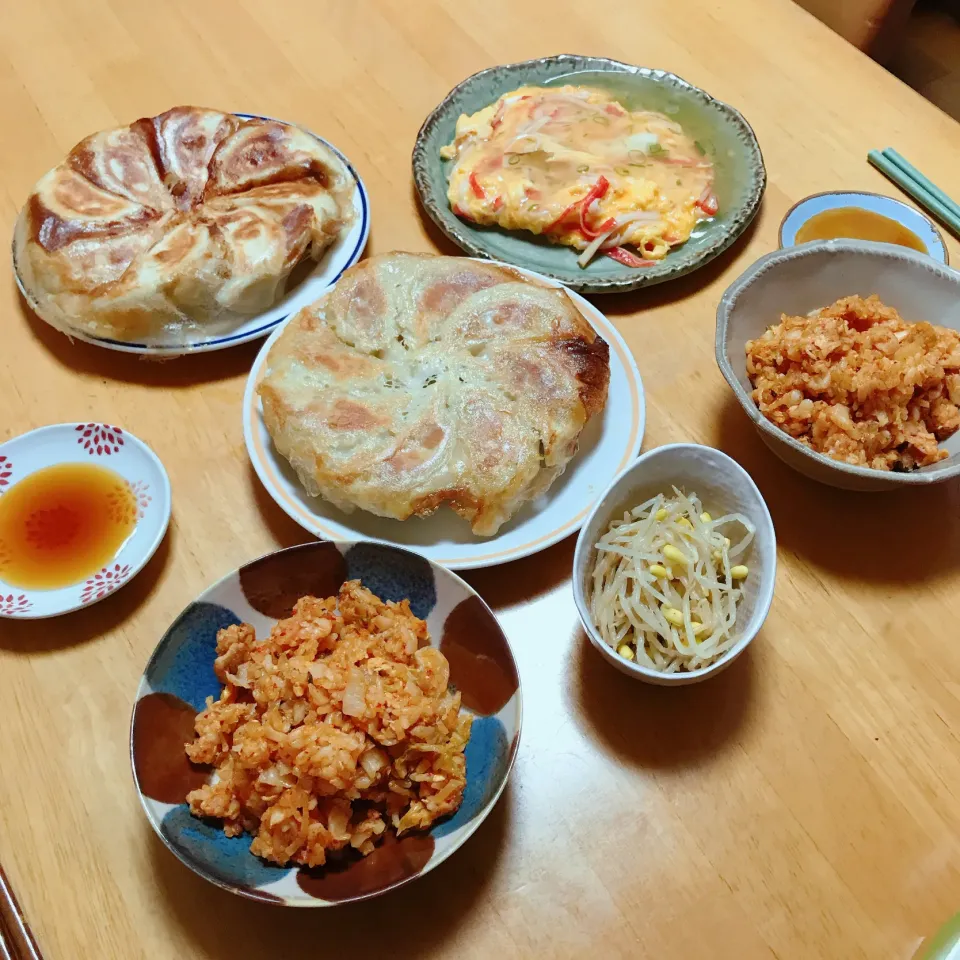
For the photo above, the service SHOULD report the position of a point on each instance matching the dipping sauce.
(858, 224)
(62, 524)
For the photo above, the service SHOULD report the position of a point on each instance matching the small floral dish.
(722, 485)
(725, 136)
(137, 501)
(798, 280)
(344, 253)
(180, 676)
(916, 223)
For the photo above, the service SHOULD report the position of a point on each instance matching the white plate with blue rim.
(342, 254)
(920, 225)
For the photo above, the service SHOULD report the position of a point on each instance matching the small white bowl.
(916, 222)
(106, 446)
(723, 487)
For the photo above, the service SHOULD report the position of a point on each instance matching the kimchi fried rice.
(856, 382)
(335, 728)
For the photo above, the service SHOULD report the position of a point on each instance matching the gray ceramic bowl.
(726, 136)
(724, 487)
(799, 279)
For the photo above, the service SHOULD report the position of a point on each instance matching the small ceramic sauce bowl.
(920, 225)
(723, 487)
(145, 503)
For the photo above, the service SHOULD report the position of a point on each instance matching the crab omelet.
(574, 166)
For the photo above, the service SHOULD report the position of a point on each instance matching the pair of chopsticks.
(16, 940)
(913, 183)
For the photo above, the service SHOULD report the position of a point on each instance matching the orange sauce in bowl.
(856, 223)
(62, 524)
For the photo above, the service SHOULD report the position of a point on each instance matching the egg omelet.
(572, 165)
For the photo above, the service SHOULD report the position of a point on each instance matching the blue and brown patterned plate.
(179, 678)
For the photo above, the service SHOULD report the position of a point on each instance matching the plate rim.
(456, 234)
(469, 829)
(145, 450)
(231, 339)
(252, 419)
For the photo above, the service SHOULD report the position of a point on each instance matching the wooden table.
(802, 805)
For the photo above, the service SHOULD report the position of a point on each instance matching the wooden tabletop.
(804, 804)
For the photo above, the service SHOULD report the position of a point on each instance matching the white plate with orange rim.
(607, 445)
(83, 507)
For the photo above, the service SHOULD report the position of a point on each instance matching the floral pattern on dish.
(99, 439)
(105, 582)
(13, 604)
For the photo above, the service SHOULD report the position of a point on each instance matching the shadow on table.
(652, 726)
(88, 623)
(444, 245)
(170, 373)
(894, 537)
(413, 921)
(287, 532)
(674, 291)
(520, 581)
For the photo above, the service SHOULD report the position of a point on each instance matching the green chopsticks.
(913, 183)
(945, 945)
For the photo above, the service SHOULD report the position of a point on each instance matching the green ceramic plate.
(724, 134)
